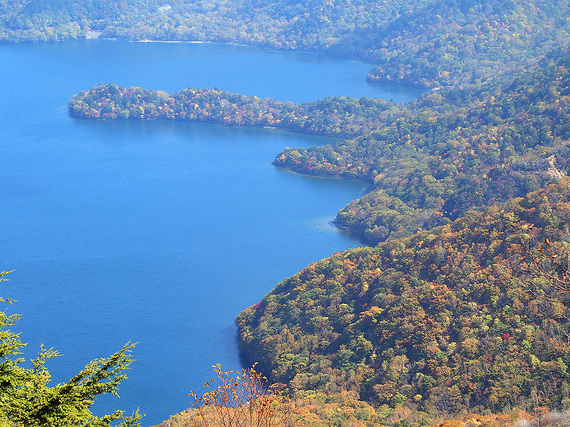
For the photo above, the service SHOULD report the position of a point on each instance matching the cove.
(158, 233)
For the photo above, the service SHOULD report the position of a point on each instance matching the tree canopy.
(428, 161)
(28, 399)
(438, 323)
(428, 43)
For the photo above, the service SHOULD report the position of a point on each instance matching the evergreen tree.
(27, 399)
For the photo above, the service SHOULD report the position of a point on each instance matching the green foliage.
(439, 323)
(454, 42)
(337, 116)
(429, 162)
(26, 398)
(452, 151)
(421, 42)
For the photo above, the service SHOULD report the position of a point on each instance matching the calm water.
(155, 232)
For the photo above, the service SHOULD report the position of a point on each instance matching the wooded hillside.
(428, 43)
(449, 313)
(455, 150)
(445, 322)
(429, 161)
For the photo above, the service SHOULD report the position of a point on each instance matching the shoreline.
(171, 41)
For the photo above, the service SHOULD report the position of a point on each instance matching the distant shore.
(171, 41)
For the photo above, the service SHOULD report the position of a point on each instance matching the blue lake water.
(156, 232)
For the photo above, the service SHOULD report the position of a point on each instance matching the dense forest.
(429, 161)
(333, 116)
(456, 150)
(427, 43)
(453, 307)
(444, 322)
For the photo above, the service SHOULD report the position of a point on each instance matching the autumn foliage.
(439, 323)
(239, 399)
(332, 116)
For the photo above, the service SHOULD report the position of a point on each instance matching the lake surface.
(156, 232)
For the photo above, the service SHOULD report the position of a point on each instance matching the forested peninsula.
(333, 116)
(444, 322)
(428, 162)
(442, 317)
(459, 305)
